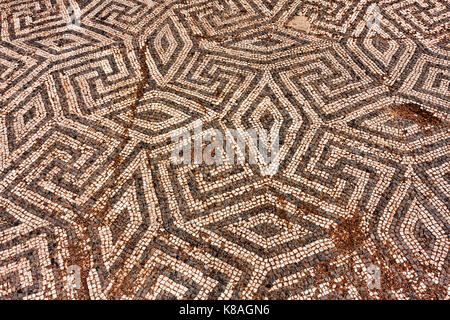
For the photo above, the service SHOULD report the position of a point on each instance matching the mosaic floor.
(93, 207)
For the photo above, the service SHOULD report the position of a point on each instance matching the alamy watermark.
(74, 277)
(230, 146)
(74, 19)
(374, 20)
(373, 277)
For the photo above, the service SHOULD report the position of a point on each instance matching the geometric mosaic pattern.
(85, 173)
